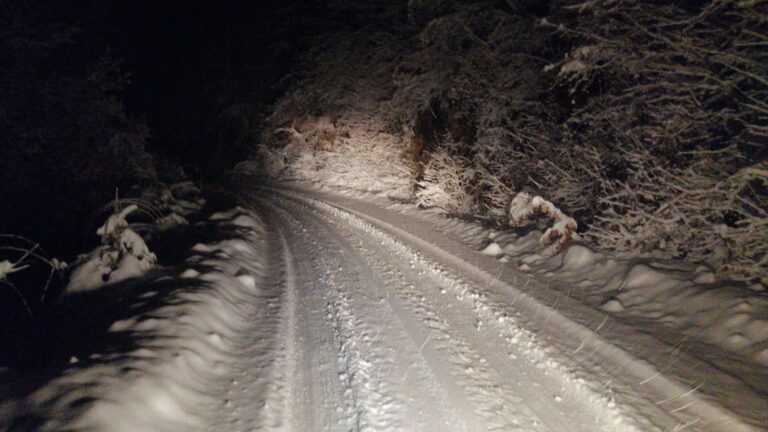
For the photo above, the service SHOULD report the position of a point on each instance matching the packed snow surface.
(327, 313)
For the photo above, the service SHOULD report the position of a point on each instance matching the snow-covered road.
(377, 338)
(316, 312)
(383, 330)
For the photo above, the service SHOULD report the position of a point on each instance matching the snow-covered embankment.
(161, 370)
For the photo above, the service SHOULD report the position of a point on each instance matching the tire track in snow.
(502, 403)
(306, 391)
(247, 395)
(281, 393)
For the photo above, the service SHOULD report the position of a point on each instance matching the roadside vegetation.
(644, 121)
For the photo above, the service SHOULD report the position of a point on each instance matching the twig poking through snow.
(425, 342)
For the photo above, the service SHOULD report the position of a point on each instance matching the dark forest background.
(100, 96)
(104, 94)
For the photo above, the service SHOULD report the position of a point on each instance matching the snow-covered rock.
(493, 249)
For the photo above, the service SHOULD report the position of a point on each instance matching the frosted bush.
(446, 184)
(682, 212)
(123, 254)
(358, 155)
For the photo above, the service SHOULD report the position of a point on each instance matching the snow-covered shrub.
(446, 184)
(680, 95)
(123, 254)
(493, 192)
(710, 211)
(336, 129)
(460, 185)
(358, 155)
(369, 168)
(524, 208)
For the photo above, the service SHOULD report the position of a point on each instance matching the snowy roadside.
(696, 318)
(155, 341)
(677, 295)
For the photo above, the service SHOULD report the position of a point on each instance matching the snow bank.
(690, 299)
(182, 338)
(731, 318)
